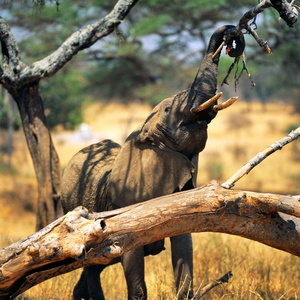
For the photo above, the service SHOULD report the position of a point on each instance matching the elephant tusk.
(206, 104)
(225, 104)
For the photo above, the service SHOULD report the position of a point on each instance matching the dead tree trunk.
(79, 239)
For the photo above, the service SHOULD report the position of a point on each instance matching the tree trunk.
(44, 156)
(8, 102)
(80, 239)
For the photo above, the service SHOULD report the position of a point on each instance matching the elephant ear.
(143, 171)
(145, 133)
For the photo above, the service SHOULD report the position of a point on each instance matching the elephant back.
(85, 177)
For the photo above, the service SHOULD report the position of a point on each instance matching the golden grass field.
(235, 136)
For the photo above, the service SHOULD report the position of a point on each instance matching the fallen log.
(81, 238)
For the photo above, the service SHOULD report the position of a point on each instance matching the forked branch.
(78, 41)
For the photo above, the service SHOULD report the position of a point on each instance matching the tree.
(169, 30)
(22, 82)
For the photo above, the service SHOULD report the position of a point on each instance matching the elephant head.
(180, 122)
(157, 158)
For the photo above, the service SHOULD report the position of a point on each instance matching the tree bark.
(80, 239)
(8, 102)
(44, 156)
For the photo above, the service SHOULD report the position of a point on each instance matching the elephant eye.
(167, 109)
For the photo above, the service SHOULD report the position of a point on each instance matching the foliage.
(63, 99)
(153, 54)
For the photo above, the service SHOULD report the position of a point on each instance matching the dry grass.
(235, 136)
(259, 272)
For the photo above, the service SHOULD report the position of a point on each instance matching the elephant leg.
(154, 248)
(93, 281)
(80, 290)
(182, 260)
(133, 265)
(89, 285)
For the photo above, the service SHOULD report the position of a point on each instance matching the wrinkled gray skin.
(159, 158)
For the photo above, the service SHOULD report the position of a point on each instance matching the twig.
(236, 59)
(260, 41)
(243, 23)
(293, 135)
(237, 78)
(211, 285)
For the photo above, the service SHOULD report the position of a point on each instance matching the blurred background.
(110, 88)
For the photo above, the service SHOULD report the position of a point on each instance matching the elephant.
(160, 157)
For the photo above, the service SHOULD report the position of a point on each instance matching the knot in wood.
(79, 252)
(98, 227)
(33, 249)
(83, 211)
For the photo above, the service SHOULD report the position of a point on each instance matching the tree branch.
(207, 288)
(79, 239)
(10, 53)
(258, 158)
(78, 41)
(288, 13)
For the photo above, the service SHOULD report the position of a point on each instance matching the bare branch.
(236, 59)
(243, 23)
(80, 239)
(224, 279)
(287, 11)
(260, 41)
(237, 78)
(293, 135)
(219, 49)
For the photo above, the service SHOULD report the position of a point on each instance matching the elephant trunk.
(205, 84)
